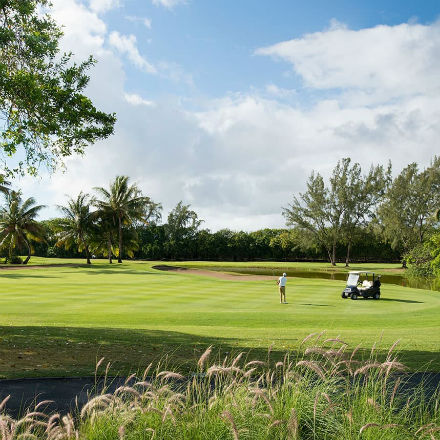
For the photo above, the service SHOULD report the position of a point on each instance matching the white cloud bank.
(239, 159)
(387, 61)
(101, 6)
(169, 4)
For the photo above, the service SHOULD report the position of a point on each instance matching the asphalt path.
(70, 394)
(66, 394)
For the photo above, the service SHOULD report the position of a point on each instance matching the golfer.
(282, 286)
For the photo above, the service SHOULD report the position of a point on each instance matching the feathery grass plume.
(269, 352)
(340, 341)
(3, 402)
(170, 375)
(256, 363)
(146, 371)
(364, 369)
(391, 425)
(69, 425)
(353, 353)
(127, 390)
(314, 350)
(226, 415)
(292, 424)
(153, 433)
(312, 366)
(204, 357)
(36, 414)
(168, 413)
(373, 404)
(276, 423)
(249, 373)
(424, 428)
(121, 432)
(310, 336)
(98, 364)
(237, 359)
(333, 353)
(42, 403)
(225, 360)
(279, 364)
(320, 336)
(349, 416)
(391, 349)
(129, 378)
(102, 401)
(368, 426)
(373, 349)
(330, 408)
(392, 365)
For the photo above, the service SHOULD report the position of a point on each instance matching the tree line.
(401, 211)
(352, 215)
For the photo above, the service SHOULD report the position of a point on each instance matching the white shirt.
(282, 281)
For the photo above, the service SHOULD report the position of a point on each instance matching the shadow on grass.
(73, 351)
(409, 301)
(22, 275)
(317, 305)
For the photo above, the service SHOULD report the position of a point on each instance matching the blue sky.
(214, 41)
(230, 105)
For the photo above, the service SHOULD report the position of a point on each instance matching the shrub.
(419, 261)
(15, 260)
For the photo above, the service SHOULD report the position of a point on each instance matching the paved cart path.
(216, 274)
(68, 394)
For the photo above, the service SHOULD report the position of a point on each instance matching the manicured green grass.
(59, 320)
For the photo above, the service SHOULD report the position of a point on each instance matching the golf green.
(60, 320)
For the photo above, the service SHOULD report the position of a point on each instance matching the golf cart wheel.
(343, 295)
(376, 295)
(354, 296)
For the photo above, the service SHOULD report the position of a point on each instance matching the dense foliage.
(45, 115)
(354, 216)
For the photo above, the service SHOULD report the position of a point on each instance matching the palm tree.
(126, 204)
(77, 226)
(4, 185)
(103, 239)
(18, 226)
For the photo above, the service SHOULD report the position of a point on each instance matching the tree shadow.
(36, 351)
(22, 275)
(317, 305)
(99, 271)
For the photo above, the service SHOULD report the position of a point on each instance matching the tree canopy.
(44, 114)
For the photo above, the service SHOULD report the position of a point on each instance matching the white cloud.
(239, 159)
(101, 6)
(279, 92)
(383, 61)
(169, 4)
(127, 45)
(134, 99)
(144, 20)
(83, 29)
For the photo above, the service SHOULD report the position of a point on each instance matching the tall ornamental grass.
(325, 392)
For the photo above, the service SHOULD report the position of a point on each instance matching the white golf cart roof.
(359, 272)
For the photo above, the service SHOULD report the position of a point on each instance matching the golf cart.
(365, 284)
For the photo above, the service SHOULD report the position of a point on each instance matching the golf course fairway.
(57, 321)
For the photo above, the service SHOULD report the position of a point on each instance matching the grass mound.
(323, 393)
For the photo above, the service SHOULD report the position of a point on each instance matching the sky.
(229, 105)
